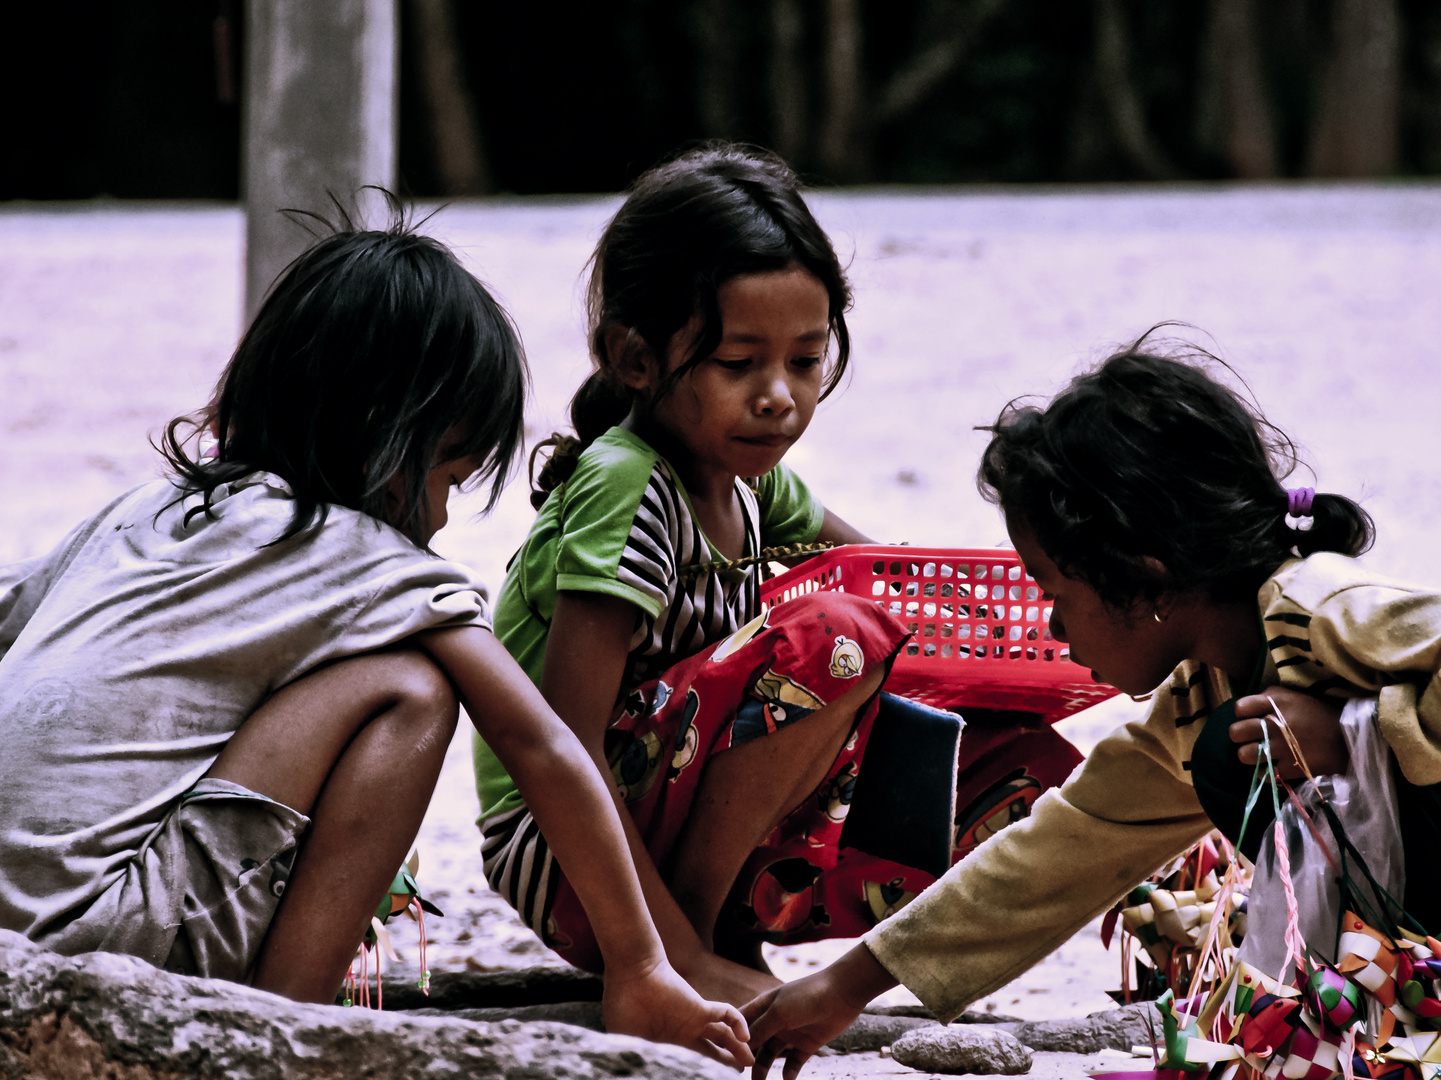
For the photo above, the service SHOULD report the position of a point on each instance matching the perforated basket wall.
(981, 628)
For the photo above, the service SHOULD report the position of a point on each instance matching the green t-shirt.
(622, 525)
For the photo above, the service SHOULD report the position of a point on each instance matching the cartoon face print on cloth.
(687, 740)
(885, 898)
(740, 639)
(635, 761)
(834, 796)
(847, 659)
(778, 701)
(782, 898)
(1005, 804)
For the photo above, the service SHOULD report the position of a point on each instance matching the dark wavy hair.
(374, 355)
(686, 228)
(1149, 458)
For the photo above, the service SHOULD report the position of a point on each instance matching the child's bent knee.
(855, 618)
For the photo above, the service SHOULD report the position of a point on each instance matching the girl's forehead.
(792, 302)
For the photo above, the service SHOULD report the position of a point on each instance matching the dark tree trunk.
(1119, 97)
(788, 83)
(1357, 122)
(460, 159)
(716, 92)
(844, 151)
(945, 47)
(1236, 112)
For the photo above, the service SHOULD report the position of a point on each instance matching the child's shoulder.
(1309, 583)
(618, 460)
(618, 446)
(250, 514)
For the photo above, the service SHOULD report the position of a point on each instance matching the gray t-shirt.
(132, 652)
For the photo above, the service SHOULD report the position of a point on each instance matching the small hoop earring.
(1157, 616)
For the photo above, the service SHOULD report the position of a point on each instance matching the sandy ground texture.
(114, 318)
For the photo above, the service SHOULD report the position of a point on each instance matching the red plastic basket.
(981, 636)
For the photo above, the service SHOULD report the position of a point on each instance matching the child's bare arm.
(1315, 721)
(838, 531)
(585, 658)
(834, 530)
(575, 811)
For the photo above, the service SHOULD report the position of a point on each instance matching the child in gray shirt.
(225, 699)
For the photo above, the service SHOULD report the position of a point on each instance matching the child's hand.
(659, 1005)
(795, 1020)
(1315, 722)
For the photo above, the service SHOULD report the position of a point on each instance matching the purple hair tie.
(1299, 500)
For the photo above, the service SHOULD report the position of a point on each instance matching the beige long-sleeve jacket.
(1330, 627)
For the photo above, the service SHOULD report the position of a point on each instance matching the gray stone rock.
(1117, 1029)
(101, 1015)
(871, 1031)
(969, 1017)
(924, 1013)
(452, 990)
(958, 1048)
(586, 1014)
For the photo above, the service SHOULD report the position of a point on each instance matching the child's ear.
(631, 360)
(1160, 576)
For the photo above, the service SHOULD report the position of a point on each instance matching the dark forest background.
(140, 98)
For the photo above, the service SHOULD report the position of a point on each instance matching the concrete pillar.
(320, 116)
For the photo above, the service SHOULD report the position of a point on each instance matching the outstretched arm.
(574, 809)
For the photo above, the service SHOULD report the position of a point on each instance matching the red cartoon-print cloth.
(800, 884)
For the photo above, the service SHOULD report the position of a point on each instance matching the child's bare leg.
(746, 792)
(358, 747)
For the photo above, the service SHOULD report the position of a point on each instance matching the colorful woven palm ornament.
(1253, 1010)
(1420, 1049)
(403, 896)
(1186, 1048)
(1314, 1053)
(1264, 1028)
(1162, 919)
(1391, 1063)
(1333, 997)
(1370, 958)
(1373, 1015)
(1174, 915)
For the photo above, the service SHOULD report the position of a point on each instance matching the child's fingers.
(1256, 705)
(773, 1049)
(731, 1058)
(765, 1057)
(1248, 731)
(757, 1008)
(731, 1017)
(794, 1060)
(730, 1045)
(1247, 734)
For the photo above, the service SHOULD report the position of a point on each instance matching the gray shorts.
(199, 896)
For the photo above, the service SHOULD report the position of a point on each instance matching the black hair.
(1147, 476)
(686, 228)
(375, 355)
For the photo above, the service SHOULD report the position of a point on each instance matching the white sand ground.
(1325, 298)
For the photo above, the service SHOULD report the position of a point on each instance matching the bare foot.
(719, 979)
(746, 951)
